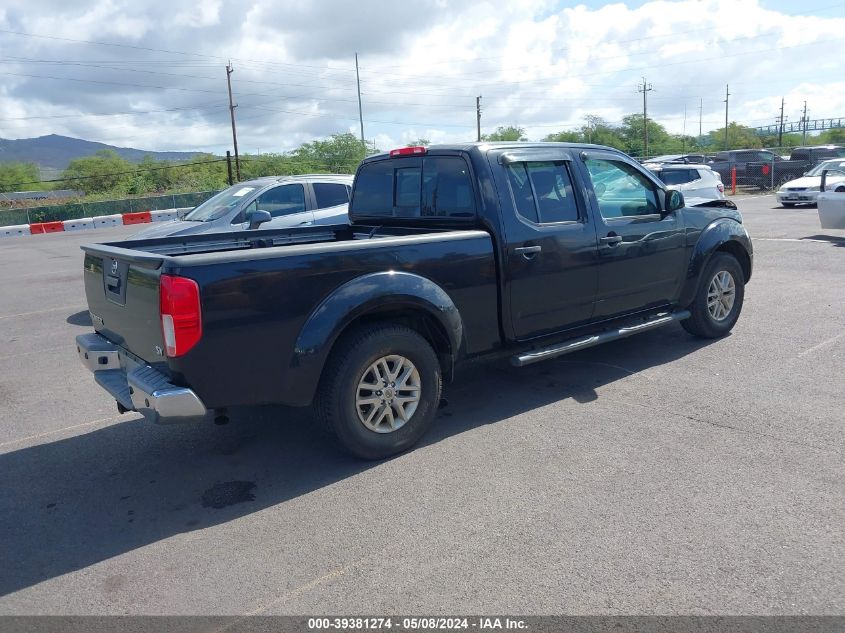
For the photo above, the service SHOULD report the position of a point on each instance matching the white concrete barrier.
(79, 224)
(832, 210)
(14, 231)
(108, 220)
(163, 215)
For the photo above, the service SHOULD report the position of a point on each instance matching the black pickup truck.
(739, 159)
(771, 174)
(455, 254)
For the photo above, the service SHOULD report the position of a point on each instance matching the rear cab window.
(429, 188)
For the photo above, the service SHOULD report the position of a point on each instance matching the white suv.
(694, 181)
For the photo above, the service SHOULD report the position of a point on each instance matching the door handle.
(528, 252)
(611, 239)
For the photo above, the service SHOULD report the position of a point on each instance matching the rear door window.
(542, 191)
(330, 194)
(432, 187)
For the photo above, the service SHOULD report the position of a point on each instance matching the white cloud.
(422, 65)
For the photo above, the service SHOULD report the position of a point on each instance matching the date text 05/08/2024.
(415, 623)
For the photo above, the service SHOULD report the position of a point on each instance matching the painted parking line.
(83, 425)
(823, 344)
(789, 239)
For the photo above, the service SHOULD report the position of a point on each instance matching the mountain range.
(53, 152)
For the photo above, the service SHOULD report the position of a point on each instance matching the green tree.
(506, 133)
(659, 140)
(16, 176)
(739, 137)
(340, 153)
(598, 131)
(105, 172)
(420, 142)
(836, 136)
(564, 137)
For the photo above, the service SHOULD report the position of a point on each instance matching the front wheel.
(718, 302)
(379, 391)
(787, 205)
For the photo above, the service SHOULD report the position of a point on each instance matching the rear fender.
(723, 234)
(356, 299)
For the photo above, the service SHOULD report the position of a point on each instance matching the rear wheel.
(718, 302)
(379, 392)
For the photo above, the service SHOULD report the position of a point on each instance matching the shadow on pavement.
(834, 240)
(80, 318)
(70, 503)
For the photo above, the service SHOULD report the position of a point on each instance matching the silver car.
(272, 202)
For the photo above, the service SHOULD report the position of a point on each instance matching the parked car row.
(756, 167)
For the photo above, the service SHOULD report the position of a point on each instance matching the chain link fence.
(83, 209)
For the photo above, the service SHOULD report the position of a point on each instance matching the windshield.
(838, 164)
(219, 205)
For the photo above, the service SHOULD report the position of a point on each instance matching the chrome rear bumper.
(135, 385)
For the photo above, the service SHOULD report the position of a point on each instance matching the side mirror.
(824, 180)
(257, 218)
(674, 201)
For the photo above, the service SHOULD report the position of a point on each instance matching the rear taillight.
(721, 188)
(181, 316)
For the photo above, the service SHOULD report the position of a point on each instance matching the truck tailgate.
(122, 289)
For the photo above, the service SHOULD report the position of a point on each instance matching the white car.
(805, 190)
(694, 181)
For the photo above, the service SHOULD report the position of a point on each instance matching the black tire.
(787, 205)
(335, 404)
(704, 324)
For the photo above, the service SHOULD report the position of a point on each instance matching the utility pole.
(804, 121)
(780, 120)
(478, 117)
(229, 167)
(700, 114)
(360, 109)
(232, 106)
(684, 133)
(727, 97)
(645, 88)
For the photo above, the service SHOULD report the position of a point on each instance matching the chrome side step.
(553, 351)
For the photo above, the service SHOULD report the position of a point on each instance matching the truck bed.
(259, 289)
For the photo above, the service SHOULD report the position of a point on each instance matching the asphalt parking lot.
(657, 475)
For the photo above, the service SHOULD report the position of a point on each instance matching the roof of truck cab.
(485, 146)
